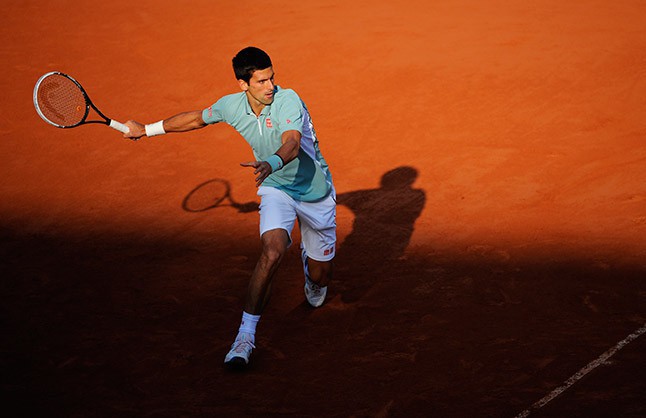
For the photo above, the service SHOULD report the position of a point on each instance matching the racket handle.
(119, 126)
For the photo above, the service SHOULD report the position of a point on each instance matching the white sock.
(248, 324)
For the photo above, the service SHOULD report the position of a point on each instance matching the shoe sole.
(236, 363)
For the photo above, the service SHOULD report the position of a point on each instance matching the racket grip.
(119, 126)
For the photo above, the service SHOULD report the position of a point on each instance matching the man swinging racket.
(292, 177)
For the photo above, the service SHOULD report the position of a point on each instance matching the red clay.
(505, 251)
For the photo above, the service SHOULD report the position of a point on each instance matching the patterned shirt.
(306, 178)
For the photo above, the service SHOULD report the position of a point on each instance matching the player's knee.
(273, 254)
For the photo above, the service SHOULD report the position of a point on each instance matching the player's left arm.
(291, 143)
(288, 151)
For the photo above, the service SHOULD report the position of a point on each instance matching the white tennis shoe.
(240, 352)
(314, 293)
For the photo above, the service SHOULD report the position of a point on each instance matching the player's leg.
(274, 246)
(277, 218)
(318, 275)
(320, 272)
(318, 232)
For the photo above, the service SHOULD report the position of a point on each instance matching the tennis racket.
(61, 101)
(212, 194)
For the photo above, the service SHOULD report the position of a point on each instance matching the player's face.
(260, 89)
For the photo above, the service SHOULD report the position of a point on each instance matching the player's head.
(249, 60)
(255, 76)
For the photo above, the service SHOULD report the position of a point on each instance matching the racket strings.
(61, 101)
(207, 195)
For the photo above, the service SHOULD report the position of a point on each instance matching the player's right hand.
(136, 130)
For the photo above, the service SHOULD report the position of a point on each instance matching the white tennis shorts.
(317, 220)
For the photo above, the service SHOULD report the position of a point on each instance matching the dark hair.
(249, 60)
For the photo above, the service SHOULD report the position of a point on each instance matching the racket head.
(60, 100)
(208, 195)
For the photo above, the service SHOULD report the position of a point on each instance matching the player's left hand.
(262, 170)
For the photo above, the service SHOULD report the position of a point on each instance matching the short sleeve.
(213, 113)
(289, 115)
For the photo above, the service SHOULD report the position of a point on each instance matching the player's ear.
(244, 86)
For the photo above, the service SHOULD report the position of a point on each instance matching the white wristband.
(156, 128)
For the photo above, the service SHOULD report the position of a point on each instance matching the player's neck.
(257, 109)
(256, 106)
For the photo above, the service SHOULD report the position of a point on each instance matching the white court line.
(587, 369)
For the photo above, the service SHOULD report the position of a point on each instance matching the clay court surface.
(490, 163)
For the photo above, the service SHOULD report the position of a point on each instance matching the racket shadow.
(213, 194)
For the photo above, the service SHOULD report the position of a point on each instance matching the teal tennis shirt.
(307, 178)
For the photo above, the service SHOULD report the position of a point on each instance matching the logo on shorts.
(268, 123)
(289, 121)
(329, 251)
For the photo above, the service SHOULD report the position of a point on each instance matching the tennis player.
(292, 177)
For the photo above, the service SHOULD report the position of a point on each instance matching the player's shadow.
(383, 226)
(212, 194)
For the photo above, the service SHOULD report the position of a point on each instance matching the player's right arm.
(182, 122)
